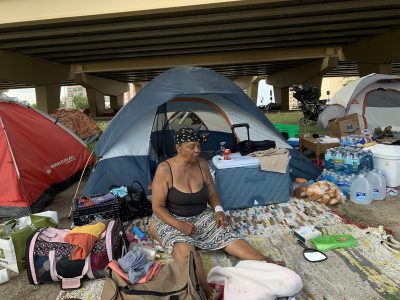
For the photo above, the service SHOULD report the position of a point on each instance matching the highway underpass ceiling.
(257, 26)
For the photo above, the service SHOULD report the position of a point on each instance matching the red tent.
(38, 158)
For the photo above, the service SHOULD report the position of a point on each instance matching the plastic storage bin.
(387, 159)
(86, 215)
(240, 183)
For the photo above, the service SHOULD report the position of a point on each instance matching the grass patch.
(294, 118)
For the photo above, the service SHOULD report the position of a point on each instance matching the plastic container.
(86, 215)
(387, 159)
(4, 277)
(378, 183)
(361, 191)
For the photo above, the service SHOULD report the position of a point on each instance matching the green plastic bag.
(328, 242)
(12, 247)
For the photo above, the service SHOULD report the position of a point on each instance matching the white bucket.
(387, 159)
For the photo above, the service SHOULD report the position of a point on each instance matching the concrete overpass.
(103, 45)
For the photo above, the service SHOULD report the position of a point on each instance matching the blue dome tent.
(141, 135)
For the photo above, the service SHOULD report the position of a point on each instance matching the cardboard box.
(344, 126)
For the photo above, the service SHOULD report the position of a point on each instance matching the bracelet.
(218, 208)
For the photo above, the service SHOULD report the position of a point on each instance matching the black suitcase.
(248, 146)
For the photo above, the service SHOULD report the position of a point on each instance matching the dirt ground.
(378, 213)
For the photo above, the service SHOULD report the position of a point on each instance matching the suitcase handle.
(238, 126)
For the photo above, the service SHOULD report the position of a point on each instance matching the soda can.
(227, 154)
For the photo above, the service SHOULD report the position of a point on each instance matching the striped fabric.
(209, 236)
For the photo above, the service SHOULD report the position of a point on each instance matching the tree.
(80, 102)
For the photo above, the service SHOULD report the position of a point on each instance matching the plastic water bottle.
(356, 163)
(378, 185)
(361, 191)
(328, 159)
(348, 163)
(338, 161)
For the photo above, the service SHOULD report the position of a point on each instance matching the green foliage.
(348, 81)
(80, 102)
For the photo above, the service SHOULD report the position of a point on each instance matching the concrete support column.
(140, 85)
(96, 102)
(48, 97)
(282, 97)
(116, 102)
(314, 81)
(252, 91)
(365, 69)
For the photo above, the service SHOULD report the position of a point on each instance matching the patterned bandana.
(187, 134)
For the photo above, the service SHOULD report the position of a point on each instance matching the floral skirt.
(209, 235)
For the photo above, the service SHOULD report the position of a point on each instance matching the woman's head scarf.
(188, 134)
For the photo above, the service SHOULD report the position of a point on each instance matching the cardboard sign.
(344, 126)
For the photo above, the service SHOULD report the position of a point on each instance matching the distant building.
(71, 92)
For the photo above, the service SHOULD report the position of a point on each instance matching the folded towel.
(273, 160)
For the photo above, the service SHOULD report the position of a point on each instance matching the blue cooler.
(240, 182)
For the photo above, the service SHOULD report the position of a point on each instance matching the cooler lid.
(236, 161)
(382, 151)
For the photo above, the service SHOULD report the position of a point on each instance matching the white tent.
(375, 98)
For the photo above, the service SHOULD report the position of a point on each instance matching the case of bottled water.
(348, 160)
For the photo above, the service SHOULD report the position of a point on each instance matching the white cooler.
(240, 183)
(387, 159)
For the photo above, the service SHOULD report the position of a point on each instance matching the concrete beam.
(245, 81)
(380, 49)
(24, 69)
(48, 97)
(50, 11)
(206, 59)
(103, 85)
(365, 69)
(304, 73)
(96, 102)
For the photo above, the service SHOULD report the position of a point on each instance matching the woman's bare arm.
(159, 196)
(213, 198)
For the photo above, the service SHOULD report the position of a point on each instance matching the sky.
(263, 96)
(29, 94)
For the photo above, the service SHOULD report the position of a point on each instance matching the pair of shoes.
(387, 132)
(215, 295)
(378, 133)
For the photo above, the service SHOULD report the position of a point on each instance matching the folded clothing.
(150, 274)
(273, 160)
(84, 238)
(135, 264)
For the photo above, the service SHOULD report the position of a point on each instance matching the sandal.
(215, 295)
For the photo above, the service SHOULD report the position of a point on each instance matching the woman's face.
(189, 150)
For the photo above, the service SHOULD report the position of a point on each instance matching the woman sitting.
(182, 188)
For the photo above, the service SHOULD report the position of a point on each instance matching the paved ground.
(378, 213)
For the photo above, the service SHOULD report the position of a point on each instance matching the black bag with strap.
(136, 200)
(248, 146)
(135, 204)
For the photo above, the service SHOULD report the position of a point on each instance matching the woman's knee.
(181, 251)
(153, 231)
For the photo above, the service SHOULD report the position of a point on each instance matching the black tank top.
(186, 204)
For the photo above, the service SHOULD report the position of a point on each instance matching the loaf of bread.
(325, 192)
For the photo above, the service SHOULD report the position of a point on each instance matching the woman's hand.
(221, 219)
(187, 228)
